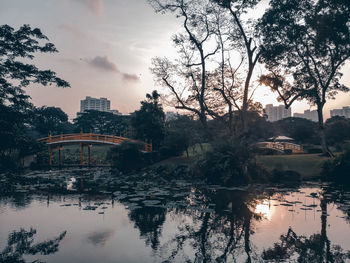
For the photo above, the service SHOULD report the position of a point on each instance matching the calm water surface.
(144, 221)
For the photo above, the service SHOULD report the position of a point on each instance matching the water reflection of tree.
(20, 243)
(149, 220)
(305, 249)
(316, 248)
(222, 235)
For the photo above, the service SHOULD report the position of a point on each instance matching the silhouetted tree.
(181, 133)
(244, 39)
(17, 47)
(20, 243)
(50, 120)
(300, 129)
(307, 42)
(100, 122)
(149, 121)
(186, 79)
(337, 130)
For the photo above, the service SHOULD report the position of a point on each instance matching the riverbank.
(309, 166)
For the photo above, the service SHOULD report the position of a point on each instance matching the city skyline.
(105, 50)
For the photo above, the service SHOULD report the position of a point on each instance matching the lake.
(137, 219)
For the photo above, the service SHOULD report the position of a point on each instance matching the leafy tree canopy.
(50, 120)
(16, 48)
(148, 121)
(100, 122)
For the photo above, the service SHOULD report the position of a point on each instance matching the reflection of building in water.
(344, 112)
(310, 115)
(276, 113)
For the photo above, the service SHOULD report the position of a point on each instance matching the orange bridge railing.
(88, 139)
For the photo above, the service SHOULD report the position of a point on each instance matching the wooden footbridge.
(87, 139)
(281, 146)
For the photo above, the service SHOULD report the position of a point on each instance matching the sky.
(105, 50)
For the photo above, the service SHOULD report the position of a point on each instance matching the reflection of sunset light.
(264, 209)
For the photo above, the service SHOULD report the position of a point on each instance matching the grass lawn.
(308, 165)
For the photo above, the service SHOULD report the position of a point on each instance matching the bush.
(126, 157)
(230, 162)
(174, 144)
(338, 168)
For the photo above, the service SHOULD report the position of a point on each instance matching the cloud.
(95, 6)
(130, 77)
(100, 238)
(103, 63)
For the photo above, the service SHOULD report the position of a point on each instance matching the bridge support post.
(59, 157)
(89, 155)
(82, 154)
(50, 156)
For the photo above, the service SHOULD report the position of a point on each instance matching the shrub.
(174, 144)
(338, 168)
(230, 162)
(126, 157)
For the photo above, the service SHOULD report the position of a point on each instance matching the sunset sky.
(105, 50)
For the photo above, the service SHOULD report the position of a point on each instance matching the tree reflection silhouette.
(149, 220)
(316, 248)
(20, 243)
(222, 235)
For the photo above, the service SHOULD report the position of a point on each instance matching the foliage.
(14, 74)
(100, 122)
(126, 157)
(204, 80)
(50, 120)
(338, 168)
(20, 243)
(181, 133)
(306, 42)
(149, 121)
(337, 130)
(300, 129)
(17, 47)
(231, 162)
(305, 249)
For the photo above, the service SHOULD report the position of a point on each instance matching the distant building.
(101, 104)
(310, 115)
(344, 112)
(276, 113)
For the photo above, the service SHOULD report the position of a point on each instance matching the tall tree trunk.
(246, 226)
(326, 254)
(321, 131)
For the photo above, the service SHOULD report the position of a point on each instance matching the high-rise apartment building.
(101, 104)
(276, 113)
(310, 115)
(344, 112)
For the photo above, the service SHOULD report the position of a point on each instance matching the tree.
(100, 122)
(50, 120)
(17, 47)
(207, 79)
(186, 79)
(244, 40)
(16, 75)
(300, 129)
(148, 121)
(20, 243)
(337, 130)
(306, 42)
